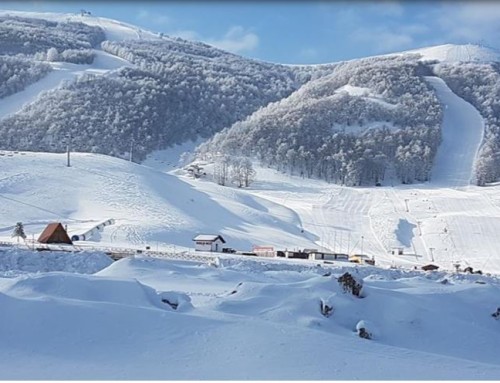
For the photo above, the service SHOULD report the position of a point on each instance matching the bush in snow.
(496, 314)
(326, 308)
(78, 56)
(362, 330)
(52, 54)
(349, 284)
(177, 301)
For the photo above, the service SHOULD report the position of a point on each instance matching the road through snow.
(462, 134)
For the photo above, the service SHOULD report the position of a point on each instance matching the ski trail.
(462, 133)
(103, 63)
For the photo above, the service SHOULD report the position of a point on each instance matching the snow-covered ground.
(457, 53)
(144, 318)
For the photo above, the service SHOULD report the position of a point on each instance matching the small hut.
(208, 242)
(54, 233)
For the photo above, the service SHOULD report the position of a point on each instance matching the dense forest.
(331, 130)
(16, 73)
(29, 36)
(177, 91)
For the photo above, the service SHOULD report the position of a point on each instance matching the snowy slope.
(114, 30)
(149, 207)
(103, 63)
(245, 320)
(462, 133)
(165, 211)
(458, 53)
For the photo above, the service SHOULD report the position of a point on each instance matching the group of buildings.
(216, 243)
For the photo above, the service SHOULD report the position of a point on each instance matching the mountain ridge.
(176, 91)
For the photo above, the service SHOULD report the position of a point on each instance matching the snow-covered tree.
(248, 172)
(52, 54)
(221, 169)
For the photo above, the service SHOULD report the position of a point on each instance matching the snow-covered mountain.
(428, 115)
(458, 53)
(141, 91)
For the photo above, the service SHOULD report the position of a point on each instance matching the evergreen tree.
(19, 231)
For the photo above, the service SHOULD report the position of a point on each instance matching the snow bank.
(83, 288)
(14, 261)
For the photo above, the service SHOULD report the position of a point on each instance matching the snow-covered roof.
(208, 237)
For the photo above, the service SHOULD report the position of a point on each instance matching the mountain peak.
(458, 53)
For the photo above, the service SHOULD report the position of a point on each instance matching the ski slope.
(61, 72)
(165, 211)
(462, 133)
(458, 53)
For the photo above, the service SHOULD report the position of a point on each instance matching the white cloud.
(156, 19)
(309, 53)
(470, 21)
(186, 34)
(388, 8)
(236, 40)
(382, 39)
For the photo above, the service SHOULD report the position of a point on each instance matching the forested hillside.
(352, 126)
(16, 73)
(355, 123)
(177, 91)
(35, 37)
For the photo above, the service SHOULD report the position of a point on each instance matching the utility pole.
(362, 244)
(131, 147)
(406, 203)
(68, 148)
(341, 235)
(432, 253)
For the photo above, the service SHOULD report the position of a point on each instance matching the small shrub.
(326, 310)
(349, 284)
(496, 314)
(174, 305)
(362, 330)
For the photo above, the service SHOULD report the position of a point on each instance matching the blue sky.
(302, 31)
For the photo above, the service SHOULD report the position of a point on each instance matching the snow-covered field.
(245, 319)
(242, 317)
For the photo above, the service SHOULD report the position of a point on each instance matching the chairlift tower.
(68, 148)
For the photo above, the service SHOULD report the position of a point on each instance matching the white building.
(208, 242)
